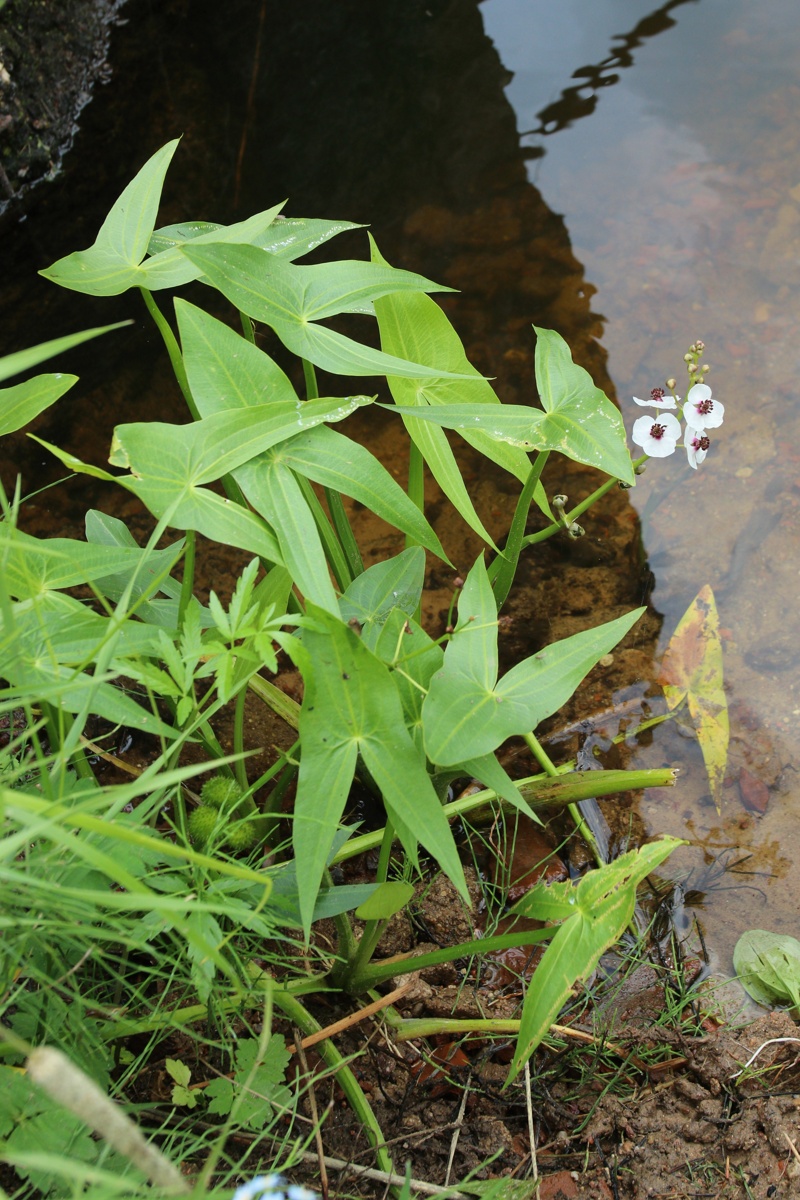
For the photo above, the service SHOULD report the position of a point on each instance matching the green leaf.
(32, 566)
(581, 421)
(384, 587)
(290, 299)
(258, 1087)
(292, 237)
(768, 966)
(692, 670)
(23, 360)
(205, 450)
(274, 492)
(595, 913)
(287, 237)
(335, 461)
(350, 708)
(467, 713)
(578, 419)
(171, 268)
(387, 899)
(21, 403)
(110, 266)
(413, 326)
(224, 370)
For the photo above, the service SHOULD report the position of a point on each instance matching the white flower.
(658, 400)
(700, 411)
(696, 444)
(657, 435)
(272, 1187)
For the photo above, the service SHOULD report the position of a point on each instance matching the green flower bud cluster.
(222, 816)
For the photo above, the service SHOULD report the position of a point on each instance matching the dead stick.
(355, 1018)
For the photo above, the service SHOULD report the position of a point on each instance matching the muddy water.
(675, 175)
(681, 192)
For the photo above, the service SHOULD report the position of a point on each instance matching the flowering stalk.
(659, 435)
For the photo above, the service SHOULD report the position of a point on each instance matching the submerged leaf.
(692, 669)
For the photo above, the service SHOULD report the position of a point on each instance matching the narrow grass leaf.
(23, 360)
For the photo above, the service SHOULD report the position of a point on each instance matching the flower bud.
(672, 384)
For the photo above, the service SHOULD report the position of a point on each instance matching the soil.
(51, 57)
(642, 1106)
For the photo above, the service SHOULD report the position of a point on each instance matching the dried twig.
(354, 1018)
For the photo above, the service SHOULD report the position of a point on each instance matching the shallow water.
(680, 189)
(681, 193)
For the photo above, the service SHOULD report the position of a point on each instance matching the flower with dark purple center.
(696, 444)
(701, 411)
(657, 436)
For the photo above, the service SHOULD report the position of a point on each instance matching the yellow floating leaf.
(692, 669)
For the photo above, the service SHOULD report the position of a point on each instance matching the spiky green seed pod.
(221, 792)
(241, 836)
(202, 823)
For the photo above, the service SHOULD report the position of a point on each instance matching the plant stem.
(310, 377)
(173, 350)
(247, 327)
(238, 739)
(544, 761)
(378, 972)
(334, 553)
(504, 567)
(187, 585)
(344, 531)
(299, 1015)
(541, 792)
(533, 538)
(372, 929)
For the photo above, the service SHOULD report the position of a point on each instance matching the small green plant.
(768, 966)
(209, 905)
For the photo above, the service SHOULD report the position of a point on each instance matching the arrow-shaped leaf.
(467, 713)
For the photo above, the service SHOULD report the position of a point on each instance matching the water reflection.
(682, 196)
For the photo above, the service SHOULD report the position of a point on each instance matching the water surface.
(680, 188)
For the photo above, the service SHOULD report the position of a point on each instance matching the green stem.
(372, 929)
(540, 792)
(173, 350)
(344, 532)
(378, 972)
(247, 327)
(310, 377)
(533, 538)
(547, 765)
(332, 546)
(187, 585)
(299, 1015)
(504, 568)
(238, 739)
